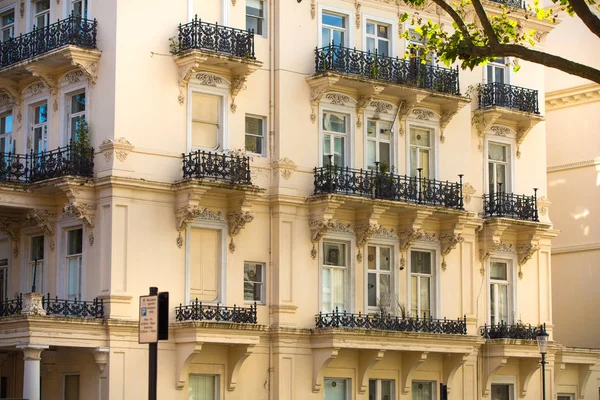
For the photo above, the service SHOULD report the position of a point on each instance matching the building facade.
(331, 220)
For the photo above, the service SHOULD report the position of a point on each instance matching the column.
(32, 354)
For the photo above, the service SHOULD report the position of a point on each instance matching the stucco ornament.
(11, 228)
(468, 192)
(43, 219)
(338, 99)
(543, 205)
(422, 114)
(237, 221)
(364, 233)
(318, 229)
(313, 9)
(82, 211)
(187, 214)
(119, 147)
(407, 237)
(284, 167)
(32, 304)
(524, 254)
(73, 76)
(497, 247)
(448, 243)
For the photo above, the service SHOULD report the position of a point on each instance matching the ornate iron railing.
(34, 167)
(508, 96)
(505, 331)
(509, 205)
(204, 164)
(73, 30)
(11, 307)
(388, 186)
(387, 69)
(198, 35)
(201, 312)
(511, 3)
(389, 322)
(73, 308)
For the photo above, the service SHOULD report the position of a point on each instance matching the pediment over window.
(382, 107)
(424, 114)
(210, 80)
(338, 99)
(502, 131)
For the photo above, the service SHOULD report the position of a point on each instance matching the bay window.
(379, 278)
(334, 131)
(421, 281)
(334, 277)
(500, 292)
(379, 144)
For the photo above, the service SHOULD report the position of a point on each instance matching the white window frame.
(12, 26)
(507, 70)
(87, 5)
(263, 292)
(222, 270)
(434, 249)
(41, 272)
(349, 111)
(68, 102)
(263, 151)
(571, 396)
(434, 386)
(348, 14)
(81, 261)
(512, 288)
(407, 42)
(265, 23)
(509, 380)
(66, 91)
(380, 242)
(434, 127)
(378, 387)
(34, 16)
(219, 91)
(217, 382)
(4, 271)
(9, 136)
(393, 29)
(44, 125)
(29, 105)
(64, 383)
(349, 390)
(393, 143)
(347, 240)
(512, 157)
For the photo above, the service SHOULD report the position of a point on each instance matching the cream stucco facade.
(388, 235)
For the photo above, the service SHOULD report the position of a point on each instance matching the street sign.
(148, 328)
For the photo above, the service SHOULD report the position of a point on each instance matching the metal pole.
(543, 376)
(34, 275)
(153, 360)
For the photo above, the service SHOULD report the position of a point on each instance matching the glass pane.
(339, 292)
(334, 20)
(37, 248)
(74, 282)
(41, 114)
(419, 137)
(326, 36)
(6, 125)
(75, 123)
(71, 387)
(370, 28)
(425, 296)
(385, 131)
(385, 261)
(371, 128)
(371, 44)
(372, 290)
(422, 391)
(335, 389)
(500, 392)
(334, 254)
(424, 162)
(205, 120)
(414, 296)
(78, 103)
(3, 280)
(253, 24)
(384, 154)
(75, 241)
(498, 270)
(499, 75)
(383, 48)
(420, 262)
(387, 388)
(334, 123)
(204, 135)
(326, 149)
(372, 389)
(42, 5)
(253, 144)
(413, 161)
(338, 37)
(326, 291)
(497, 152)
(371, 258)
(492, 177)
(501, 176)
(8, 18)
(201, 387)
(493, 304)
(382, 31)
(490, 73)
(339, 156)
(503, 303)
(371, 153)
(385, 288)
(254, 126)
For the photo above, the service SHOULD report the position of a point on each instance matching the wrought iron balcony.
(223, 167)
(369, 65)
(73, 30)
(511, 3)
(388, 322)
(71, 160)
(505, 331)
(11, 307)
(513, 97)
(73, 308)
(198, 35)
(388, 186)
(509, 205)
(201, 312)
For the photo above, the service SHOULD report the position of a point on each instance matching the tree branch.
(457, 18)
(586, 15)
(534, 56)
(485, 22)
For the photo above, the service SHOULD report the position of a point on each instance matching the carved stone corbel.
(492, 364)
(357, 17)
(404, 110)
(186, 68)
(48, 79)
(284, 167)
(363, 102)
(409, 232)
(185, 354)
(452, 362)
(43, 219)
(364, 233)
(313, 9)
(119, 147)
(468, 192)
(367, 359)
(101, 357)
(87, 62)
(543, 205)
(318, 87)
(483, 120)
(318, 229)
(448, 242)
(236, 356)
(321, 219)
(237, 221)
(11, 228)
(85, 212)
(11, 90)
(527, 368)
(321, 358)
(237, 83)
(410, 362)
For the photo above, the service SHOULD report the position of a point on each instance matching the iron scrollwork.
(73, 308)
(201, 312)
(501, 204)
(508, 96)
(204, 164)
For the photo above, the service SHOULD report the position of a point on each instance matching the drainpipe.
(271, 15)
(190, 10)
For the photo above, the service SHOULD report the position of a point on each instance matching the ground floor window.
(71, 387)
(564, 396)
(502, 392)
(337, 388)
(203, 387)
(381, 389)
(422, 390)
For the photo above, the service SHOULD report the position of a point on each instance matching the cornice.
(576, 248)
(574, 96)
(573, 165)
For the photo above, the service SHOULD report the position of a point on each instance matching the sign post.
(153, 326)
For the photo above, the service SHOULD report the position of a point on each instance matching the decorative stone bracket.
(50, 80)
(367, 359)
(11, 228)
(447, 113)
(236, 357)
(499, 247)
(468, 192)
(543, 205)
(44, 219)
(321, 220)
(409, 232)
(452, 362)
(410, 362)
(448, 242)
(321, 358)
(405, 107)
(527, 368)
(187, 214)
(80, 205)
(237, 84)
(491, 365)
(526, 249)
(119, 147)
(101, 357)
(318, 87)
(185, 355)
(320, 227)
(237, 221)
(364, 100)
(11, 90)
(32, 304)
(367, 225)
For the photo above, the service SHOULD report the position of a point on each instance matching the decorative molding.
(340, 227)
(318, 88)
(525, 252)
(35, 88)
(385, 233)
(11, 227)
(338, 99)
(187, 214)
(382, 107)
(207, 79)
(363, 102)
(357, 16)
(502, 131)
(468, 192)
(423, 114)
(320, 227)
(43, 219)
(84, 212)
(284, 167)
(313, 9)
(498, 247)
(576, 249)
(233, 2)
(404, 109)
(572, 96)
(120, 147)
(74, 76)
(543, 205)
(448, 242)
(578, 164)
(445, 119)
(423, 236)
(364, 233)
(22, 8)
(237, 84)
(236, 221)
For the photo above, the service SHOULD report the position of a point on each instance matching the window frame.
(41, 271)
(263, 152)
(263, 283)
(217, 382)
(393, 29)
(87, 7)
(263, 19)
(392, 142)
(505, 67)
(407, 42)
(221, 226)
(511, 160)
(4, 270)
(221, 91)
(434, 386)
(378, 382)
(510, 381)
(433, 281)
(512, 290)
(349, 391)
(13, 26)
(350, 269)
(571, 396)
(64, 382)
(394, 284)
(68, 106)
(10, 143)
(434, 128)
(32, 125)
(34, 15)
(348, 14)
(67, 257)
